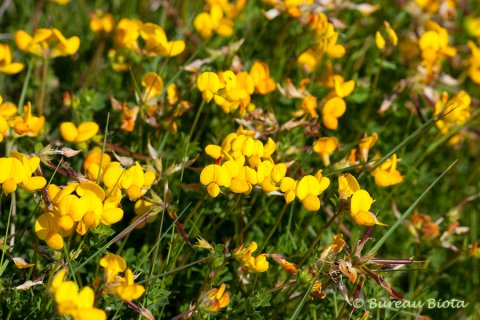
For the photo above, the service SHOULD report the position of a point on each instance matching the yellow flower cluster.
(47, 43)
(219, 18)
(249, 262)
(249, 163)
(360, 200)
(123, 287)
(134, 181)
(16, 172)
(233, 91)
(70, 301)
(79, 207)
(434, 47)
(454, 112)
(325, 42)
(26, 125)
(127, 36)
(76, 207)
(8, 66)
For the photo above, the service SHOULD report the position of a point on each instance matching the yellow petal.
(361, 201)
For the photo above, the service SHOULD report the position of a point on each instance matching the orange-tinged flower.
(214, 299)
(85, 131)
(261, 77)
(366, 144)
(28, 125)
(249, 262)
(129, 116)
(387, 174)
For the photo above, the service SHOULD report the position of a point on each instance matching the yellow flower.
(28, 125)
(359, 209)
(84, 132)
(324, 147)
(206, 23)
(127, 289)
(391, 36)
(47, 230)
(7, 111)
(454, 111)
(333, 109)
(153, 84)
(214, 176)
(7, 66)
(126, 33)
(214, 299)
(101, 21)
(157, 44)
(366, 144)
(261, 77)
(309, 60)
(17, 171)
(309, 188)
(40, 43)
(347, 185)
(79, 304)
(112, 265)
(309, 106)
(209, 84)
(343, 88)
(386, 174)
(474, 68)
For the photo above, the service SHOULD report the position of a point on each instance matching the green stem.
(21, 101)
(12, 204)
(43, 89)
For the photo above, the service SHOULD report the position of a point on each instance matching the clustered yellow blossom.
(7, 111)
(232, 91)
(248, 163)
(122, 287)
(16, 172)
(214, 299)
(453, 112)
(70, 301)
(434, 48)
(148, 39)
(248, 261)
(325, 42)
(76, 207)
(360, 201)
(219, 18)
(47, 43)
(7, 65)
(81, 206)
